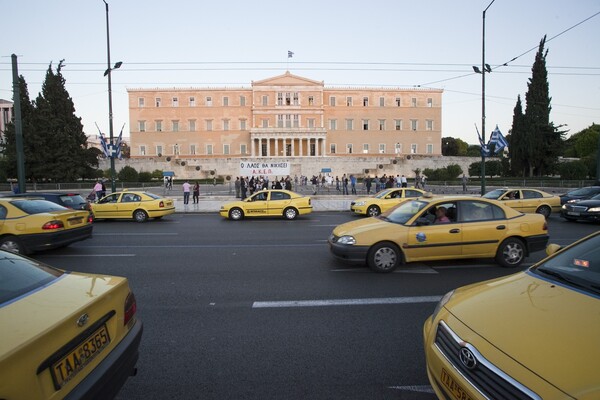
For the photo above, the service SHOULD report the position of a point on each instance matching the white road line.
(135, 234)
(88, 255)
(415, 270)
(345, 302)
(415, 388)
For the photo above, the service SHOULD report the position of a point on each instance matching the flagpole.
(483, 71)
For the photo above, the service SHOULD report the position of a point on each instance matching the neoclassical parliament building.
(286, 116)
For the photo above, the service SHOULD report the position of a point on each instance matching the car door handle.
(501, 227)
(455, 230)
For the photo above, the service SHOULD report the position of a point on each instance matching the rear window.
(155, 197)
(72, 199)
(19, 276)
(36, 206)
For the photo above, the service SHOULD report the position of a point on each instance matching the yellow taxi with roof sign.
(527, 200)
(139, 206)
(268, 203)
(383, 200)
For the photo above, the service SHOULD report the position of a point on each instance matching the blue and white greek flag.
(118, 154)
(103, 143)
(498, 140)
(485, 151)
(290, 54)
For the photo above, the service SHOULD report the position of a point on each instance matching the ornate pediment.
(287, 79)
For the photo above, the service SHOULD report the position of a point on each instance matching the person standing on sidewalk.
(186, 192)
(196, 193)
(464, 183)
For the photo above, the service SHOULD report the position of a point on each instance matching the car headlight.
(564, 206)
(594, 209)
(572, 201)
(360, 203)
(445, 299)
(346, 239)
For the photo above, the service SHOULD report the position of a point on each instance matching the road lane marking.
(345, 302)
(415, 388)
(135, 234)
(201, 246)
(422, 269)
(88, 255)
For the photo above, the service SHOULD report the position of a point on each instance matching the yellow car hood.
(551, 330)
(359, 226)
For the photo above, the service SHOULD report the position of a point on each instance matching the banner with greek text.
(264, 168)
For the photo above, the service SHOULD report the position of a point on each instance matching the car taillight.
(545, 227)
(90, 218)
(130, 308)
(53, 225)
(161, 204)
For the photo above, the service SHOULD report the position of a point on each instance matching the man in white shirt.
(186, 192)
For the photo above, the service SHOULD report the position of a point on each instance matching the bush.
(144, 176)
(448, 173)
(574, 170)
(128, 174)
(157, 174)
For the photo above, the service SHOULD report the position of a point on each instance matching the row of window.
(209, 149)
(286, 99)
(292, 121)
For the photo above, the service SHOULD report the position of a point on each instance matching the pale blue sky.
(190, 43)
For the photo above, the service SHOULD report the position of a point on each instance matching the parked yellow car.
(64, 334)
(527, 200)
(268, 203)
(138, 206)
(383, 201)
(531, 335)
(30, 225)
(440, 228)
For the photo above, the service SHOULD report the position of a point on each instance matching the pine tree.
(518, 146)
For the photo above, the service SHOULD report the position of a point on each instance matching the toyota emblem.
(467, 358)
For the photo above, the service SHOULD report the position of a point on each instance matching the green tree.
(573, 170)
(585, 142)
(518, 145)
(454, 147)
(128, 174)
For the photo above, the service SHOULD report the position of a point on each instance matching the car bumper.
(586, 216)
(52, 240)
(362, 210)
(105, 381)
(348, 252)
(536, 243)
(161, 212)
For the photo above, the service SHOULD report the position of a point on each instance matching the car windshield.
(19, 275)
(382, 194)
(402, 213)
(586, 191)
(494, 194)
(36, 206)
(578, 266)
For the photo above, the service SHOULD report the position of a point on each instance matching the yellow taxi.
(139, 206)
(29, 225)
(527, 200)
(64, 334)
(530, 335)
(268, 203)
(440, 228)
(383, 201)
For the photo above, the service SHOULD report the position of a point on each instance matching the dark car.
(579, 194)
(69, 200)
(588, 210)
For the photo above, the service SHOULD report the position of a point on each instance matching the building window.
(365, 101)
(296, 121)
(311, 122)
(175, 102)
(413, 148)
(243, 101)
(243, 149)
(366, 148)
(382, 102)
(349, 124)
(265, 100)
(140, 102)
(398, 102)
(348, 101)
(332, 148)
(159, 151)
(209, 149)
(296, 102)
(382, 124)
(413, 102)
(280, 121)
(311, 100)
(429, 149)
(288, 99)
(209, 101)
(192, 125)
(192, 101)
(225, 149)
(398, 124)
(279, 99)
(225, 101)
(288, 121)
(265, 122)
(209, 125)
(175, 149)
(192, 149)
(175, 125)
(333, 124)
(142, 126)
(158, 126)
(413, 124)
(157, 101)
(429, 102)
(365, 124)
(397, 148)
(381, 148)
(332, 101)
(429, 124)
(349, 148)
(242, 124)
(142, 150)
(225, 124)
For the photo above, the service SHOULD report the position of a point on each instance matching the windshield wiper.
(563, 278)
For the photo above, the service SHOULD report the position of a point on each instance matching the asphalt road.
(258, 309)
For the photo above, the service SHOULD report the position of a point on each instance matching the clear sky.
(376, 43)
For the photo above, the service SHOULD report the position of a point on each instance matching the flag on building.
(103, 143)
(498, 140)
(290, 54)
(119, 154)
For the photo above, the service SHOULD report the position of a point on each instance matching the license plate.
(455, 389)
(66, 368)
(75, 221)
(574, 213)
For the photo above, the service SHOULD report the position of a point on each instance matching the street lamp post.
(110, 112)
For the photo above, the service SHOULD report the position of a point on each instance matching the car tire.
(384, 257)
(236, 214)
(140, 216)
(373, 211)
(544, 210)
(12, 243)
(290, 213)
(511, 253)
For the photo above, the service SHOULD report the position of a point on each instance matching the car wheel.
(236, 214)
(290, 213)
(511, 253)
(140, 216)
(11, 243)
(384, 257)
(544, 210)
(373, 211)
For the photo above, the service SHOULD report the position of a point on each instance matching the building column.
(293, 147)
(260, 147)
